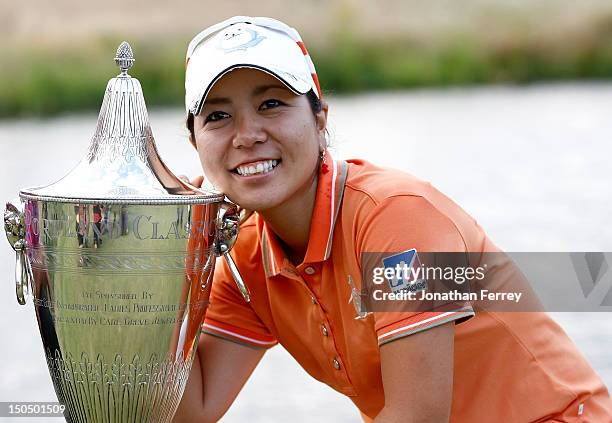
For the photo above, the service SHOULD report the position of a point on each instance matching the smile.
(255, 168)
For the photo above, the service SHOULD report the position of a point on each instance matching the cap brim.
(298, 86)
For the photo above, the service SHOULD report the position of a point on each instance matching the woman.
(257, 119)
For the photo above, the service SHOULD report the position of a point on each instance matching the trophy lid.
(122, 164)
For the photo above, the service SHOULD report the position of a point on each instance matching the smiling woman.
(260, 145)
(257, 120)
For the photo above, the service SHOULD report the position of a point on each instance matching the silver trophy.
(118, 257)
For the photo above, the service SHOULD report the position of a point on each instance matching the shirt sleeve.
(401, 223)
(229, 315)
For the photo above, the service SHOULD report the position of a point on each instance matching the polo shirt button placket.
(309, 270)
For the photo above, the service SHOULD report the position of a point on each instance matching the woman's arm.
(417, 373)
(220, 370)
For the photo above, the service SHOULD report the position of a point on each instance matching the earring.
(323, 160)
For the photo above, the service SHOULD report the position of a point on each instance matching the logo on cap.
(239, 38)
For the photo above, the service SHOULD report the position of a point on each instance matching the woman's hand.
(196, 182)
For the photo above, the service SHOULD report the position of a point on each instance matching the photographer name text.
(484, 295)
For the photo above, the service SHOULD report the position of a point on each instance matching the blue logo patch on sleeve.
(407, 271)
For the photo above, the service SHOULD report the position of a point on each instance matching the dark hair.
(315, 102)
(189, 125)
(315, 105)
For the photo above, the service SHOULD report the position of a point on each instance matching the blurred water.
(530, 163)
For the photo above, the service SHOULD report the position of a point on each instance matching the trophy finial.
(124, 57)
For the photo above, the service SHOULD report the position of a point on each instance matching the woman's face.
(258, 142)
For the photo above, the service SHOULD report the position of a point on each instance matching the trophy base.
(116, 389)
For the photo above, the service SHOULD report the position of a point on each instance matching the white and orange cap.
(247, 42)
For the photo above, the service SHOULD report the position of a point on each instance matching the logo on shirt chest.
(355, 298)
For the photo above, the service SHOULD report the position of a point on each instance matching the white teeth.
(261, 167)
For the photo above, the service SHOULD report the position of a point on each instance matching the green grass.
(40, 82)
(47, 82)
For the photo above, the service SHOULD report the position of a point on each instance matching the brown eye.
(270, 104)
(215, 116)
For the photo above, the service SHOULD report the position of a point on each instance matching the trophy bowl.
(118, 257)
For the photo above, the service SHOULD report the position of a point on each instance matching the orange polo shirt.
(508, 367)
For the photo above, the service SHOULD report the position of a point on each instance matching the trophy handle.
(228, 223)
(14, 227)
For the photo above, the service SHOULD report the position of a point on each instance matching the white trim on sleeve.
(238, 336)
